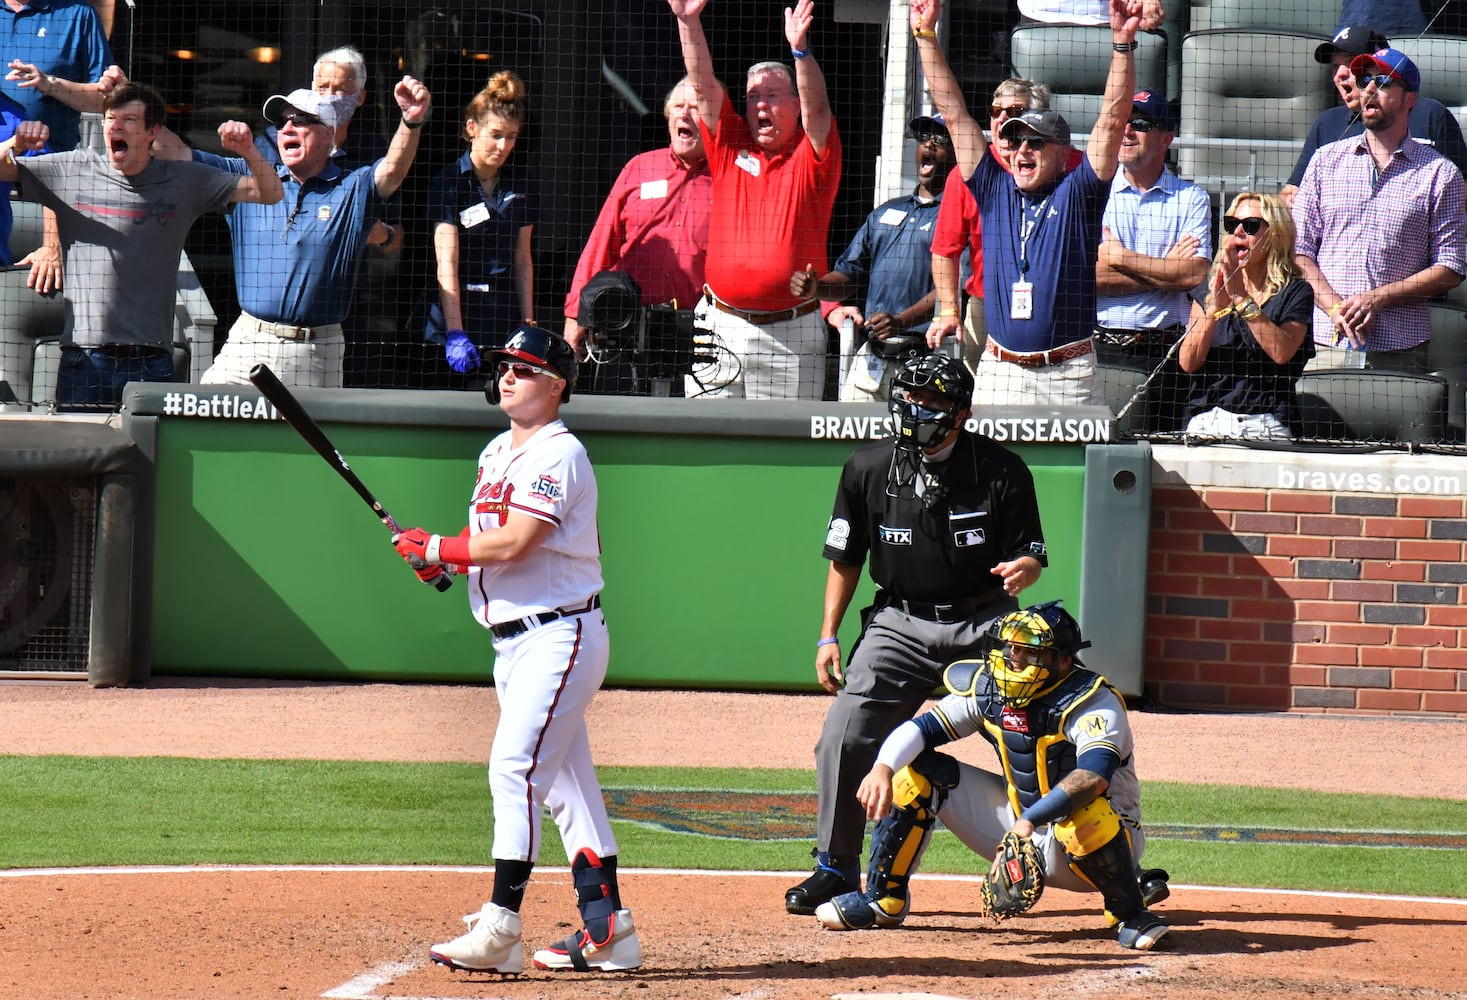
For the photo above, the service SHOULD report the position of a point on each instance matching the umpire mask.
(923, 424)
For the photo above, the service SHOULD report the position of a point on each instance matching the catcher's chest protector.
(1031, 739)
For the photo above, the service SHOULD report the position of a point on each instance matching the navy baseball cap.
(1391, 62)
(1153, 106)
(1050, 124)
(925, 124)
(1351, 40)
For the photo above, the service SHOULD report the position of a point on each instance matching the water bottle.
(1354, 356)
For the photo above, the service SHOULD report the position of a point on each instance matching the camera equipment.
(638, 351)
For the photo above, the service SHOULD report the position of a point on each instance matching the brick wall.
(1304, 601)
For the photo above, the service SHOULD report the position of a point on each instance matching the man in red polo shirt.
(775, 175)
(654, 224)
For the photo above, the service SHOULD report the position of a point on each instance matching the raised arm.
(76, 95)
(1104, 146)
(947, 94)
(697, 60)
(414, 101)
(262, 184)
(809, 80)
(28, 137)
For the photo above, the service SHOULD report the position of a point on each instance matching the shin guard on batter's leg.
(608, 941)
(897, 846)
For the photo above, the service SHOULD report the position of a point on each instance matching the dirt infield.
(362, 934)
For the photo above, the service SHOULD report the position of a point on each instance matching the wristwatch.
(1250, 312)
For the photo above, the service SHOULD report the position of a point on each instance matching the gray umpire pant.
(896, 666)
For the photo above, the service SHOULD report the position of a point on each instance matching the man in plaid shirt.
(1382, 228)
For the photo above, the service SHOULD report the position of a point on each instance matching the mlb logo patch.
(547, 488)
(968, 537)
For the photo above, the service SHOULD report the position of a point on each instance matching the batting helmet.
(937, 372)
(537, 347)
(1026, 647)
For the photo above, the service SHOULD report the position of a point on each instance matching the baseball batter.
(533, 560)
(1068, 780)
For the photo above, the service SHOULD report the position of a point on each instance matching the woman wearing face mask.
(1248, 335)
(483, 215)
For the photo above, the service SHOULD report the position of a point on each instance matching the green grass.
(75, 811)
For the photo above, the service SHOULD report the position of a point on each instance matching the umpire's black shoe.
(823, 885)
(1153, 885)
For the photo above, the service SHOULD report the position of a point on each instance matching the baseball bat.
(290, 408)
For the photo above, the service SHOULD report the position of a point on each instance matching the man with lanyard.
(1155, 248)
(1041, 229)
(892, 256)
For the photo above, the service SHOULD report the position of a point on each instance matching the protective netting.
(812, 223)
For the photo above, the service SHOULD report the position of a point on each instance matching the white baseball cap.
(326, 107)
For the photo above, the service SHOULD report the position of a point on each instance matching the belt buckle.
(943, 614)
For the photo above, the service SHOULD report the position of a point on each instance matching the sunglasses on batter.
(521, 370)
(1251, 225)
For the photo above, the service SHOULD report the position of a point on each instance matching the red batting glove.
(412, 545)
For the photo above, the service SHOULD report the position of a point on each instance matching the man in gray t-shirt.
(123, 218)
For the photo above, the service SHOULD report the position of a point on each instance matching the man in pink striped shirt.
(1382, 227)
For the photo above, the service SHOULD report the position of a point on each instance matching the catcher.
(1066, 811)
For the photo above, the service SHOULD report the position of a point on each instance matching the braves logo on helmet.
(539, 348)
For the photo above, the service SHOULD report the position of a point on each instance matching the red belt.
(1040, 359)
(764, 318)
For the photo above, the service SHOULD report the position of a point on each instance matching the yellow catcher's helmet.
(1026, 648)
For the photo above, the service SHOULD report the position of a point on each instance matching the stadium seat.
(1442, 60)
(1248, 99)
(1305, 17)
(25, 317)
(1373, 406)
(1447, 358)
(1118, 384)
(1073, 61)
(1175, 27)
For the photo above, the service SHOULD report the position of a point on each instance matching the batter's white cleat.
(492, 943)
(620, 950)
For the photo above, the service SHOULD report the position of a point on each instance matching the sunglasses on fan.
(1251, 225)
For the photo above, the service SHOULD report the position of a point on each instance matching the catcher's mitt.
(1016, 881)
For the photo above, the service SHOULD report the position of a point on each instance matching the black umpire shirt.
(987, 513)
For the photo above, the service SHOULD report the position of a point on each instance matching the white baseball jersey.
(549, 478)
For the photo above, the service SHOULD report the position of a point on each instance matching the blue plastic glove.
(462, 355)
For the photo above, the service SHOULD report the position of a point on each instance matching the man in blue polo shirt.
(58, 63)
(296, 262)
(1041, 231)
(1156, 246)
(892, 256)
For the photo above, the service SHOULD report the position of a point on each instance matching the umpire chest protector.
(1031, 740)
(940, 543)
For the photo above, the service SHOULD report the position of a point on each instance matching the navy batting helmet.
(537, 347)
(939, 373)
